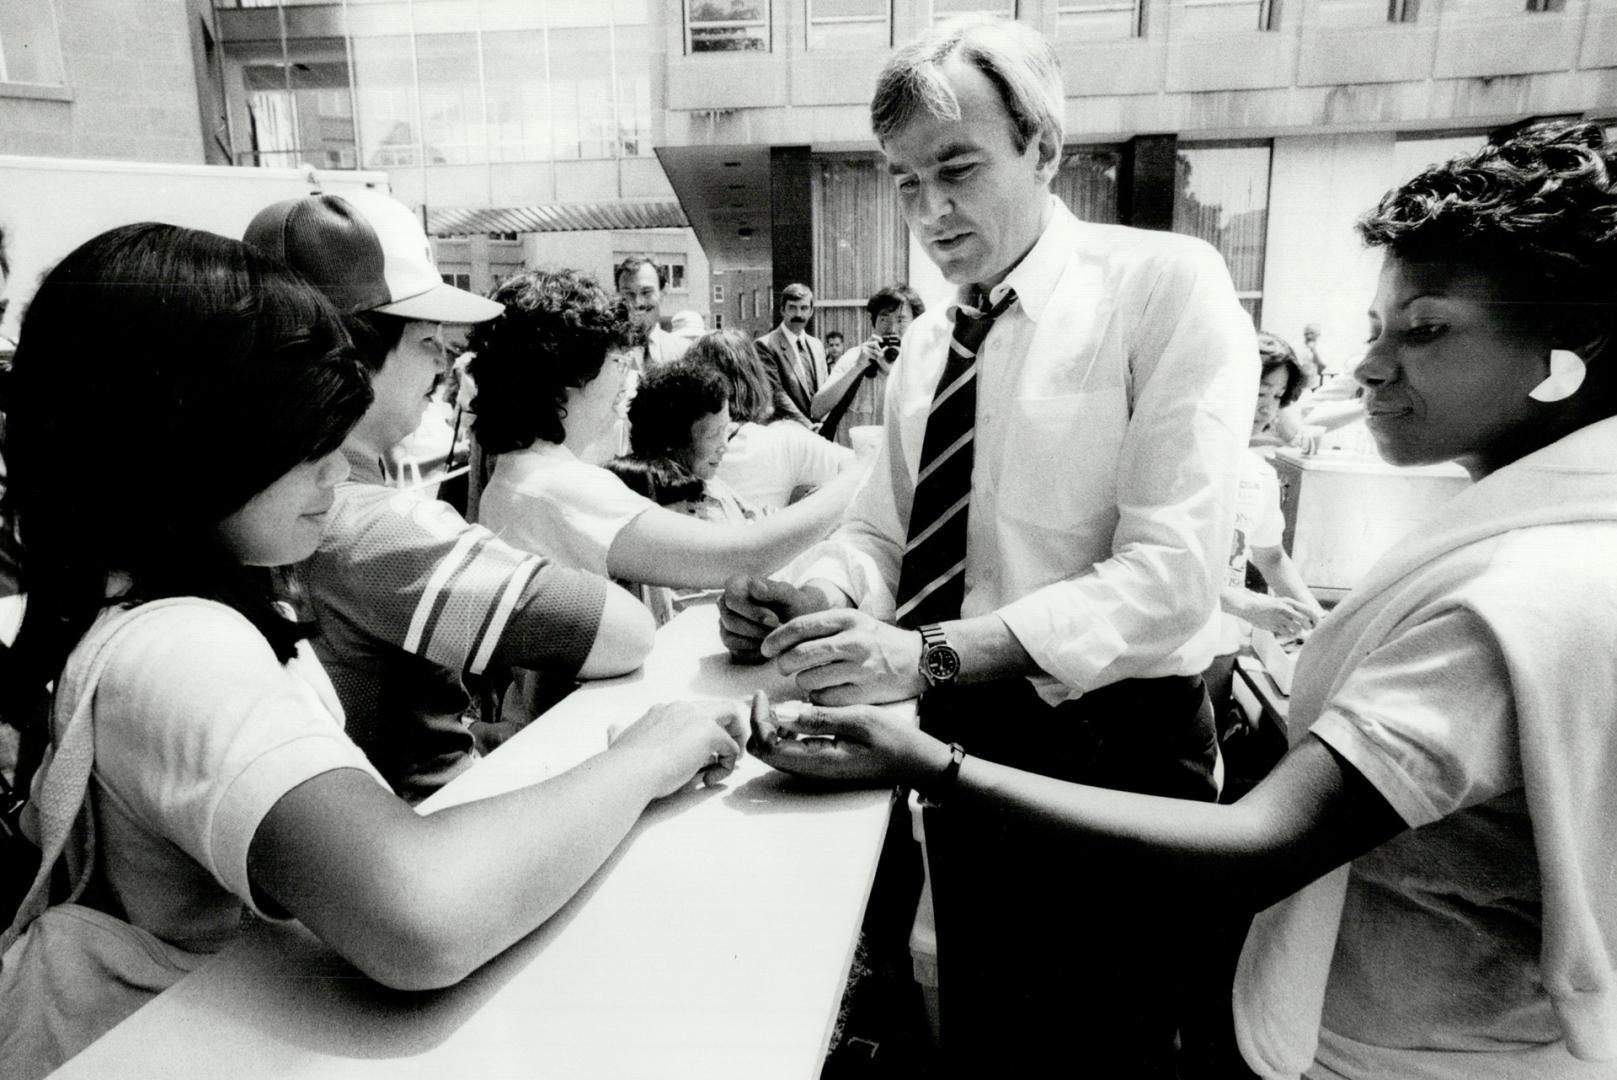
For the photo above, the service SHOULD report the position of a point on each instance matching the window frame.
(1015, 13)
(1136, 9)
(767, 22)
(810, 22)
(1268, 11)
(56, 40)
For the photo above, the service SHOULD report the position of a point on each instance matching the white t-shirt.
(1438, 951)
(199, 732)
(544, 500)
(1258, 524)
(764, 463)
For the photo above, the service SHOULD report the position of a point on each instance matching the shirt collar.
(1035, 277)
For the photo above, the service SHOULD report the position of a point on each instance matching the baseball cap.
(367, 252)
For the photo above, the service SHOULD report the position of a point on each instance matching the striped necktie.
(805, 364)
(932, 578)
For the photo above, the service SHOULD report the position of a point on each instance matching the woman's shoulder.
(189, 632)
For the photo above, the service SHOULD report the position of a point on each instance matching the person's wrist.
(933, 760)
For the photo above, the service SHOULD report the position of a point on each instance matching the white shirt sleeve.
(200, 731)
(1194, 368)
(1428, 718)
(571, 513)
(815, 461)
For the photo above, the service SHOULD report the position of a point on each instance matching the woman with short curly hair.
(550, 376)
(1437, 847)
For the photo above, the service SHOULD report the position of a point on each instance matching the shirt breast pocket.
(1059, 470)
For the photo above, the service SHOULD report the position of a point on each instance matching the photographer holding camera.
(852, 395)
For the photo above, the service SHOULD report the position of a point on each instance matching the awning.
(558, 217)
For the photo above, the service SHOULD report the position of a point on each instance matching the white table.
(715, 942)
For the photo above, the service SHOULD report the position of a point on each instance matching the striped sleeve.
(412, 571)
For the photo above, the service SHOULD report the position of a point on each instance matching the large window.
(300, 114)
(1087, 183)
(631, 46)
(451, 104)
(30, 51)
(584, 115)
(726, 26)
(495, 81)
(1099, 20)
(384, 72)
(1221, 194)
(836, 25)
(516, 82)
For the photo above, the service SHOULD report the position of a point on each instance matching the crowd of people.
(232, 685)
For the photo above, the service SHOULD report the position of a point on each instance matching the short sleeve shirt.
(199, 732)
(1434, 939)
(764, 463)
(546, 501)
(412, 601)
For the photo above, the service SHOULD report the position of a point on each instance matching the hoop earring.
(1567, 371)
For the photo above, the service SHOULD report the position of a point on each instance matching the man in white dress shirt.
(1063, 619)
(796, 355)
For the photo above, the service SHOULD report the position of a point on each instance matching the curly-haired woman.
(1437, 845)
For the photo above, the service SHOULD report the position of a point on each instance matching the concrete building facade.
(1265, 127)
(113, 80)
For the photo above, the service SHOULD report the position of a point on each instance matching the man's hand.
(855, 745)
(845, 657)
(751, 607)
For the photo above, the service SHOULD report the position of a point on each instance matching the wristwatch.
(940, 663)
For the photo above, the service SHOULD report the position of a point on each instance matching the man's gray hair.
(1016, 58)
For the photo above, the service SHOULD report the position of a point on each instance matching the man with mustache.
(1037, 555)
(797, 356)
(641, 282)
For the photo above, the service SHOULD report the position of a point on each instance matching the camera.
(889, 347)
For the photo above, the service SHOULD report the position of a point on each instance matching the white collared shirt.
(1114, 400)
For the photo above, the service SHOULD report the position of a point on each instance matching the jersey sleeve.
(412, 571)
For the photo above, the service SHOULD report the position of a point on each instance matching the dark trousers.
(1053, 958)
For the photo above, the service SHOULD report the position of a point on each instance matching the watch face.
(942, 663)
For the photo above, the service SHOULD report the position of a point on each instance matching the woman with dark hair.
(1437, 845)
(771, 453)
(550, 375)
(198, 773)
(679, 421)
